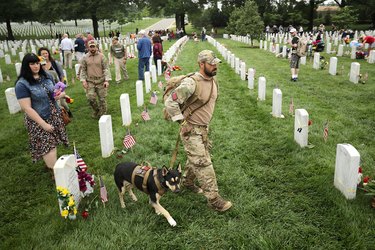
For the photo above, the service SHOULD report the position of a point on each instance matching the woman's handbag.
(65, 116)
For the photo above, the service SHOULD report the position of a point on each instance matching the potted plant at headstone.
(67, 204)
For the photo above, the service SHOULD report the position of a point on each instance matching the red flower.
(366, 179)
(310, 122)
(85, 214)
(360, 170)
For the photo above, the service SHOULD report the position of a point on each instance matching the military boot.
(191, 186)
(219, 204)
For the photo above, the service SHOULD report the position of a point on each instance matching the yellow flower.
(71, 202)
(75, 211)
(64, 213)
(65, 191)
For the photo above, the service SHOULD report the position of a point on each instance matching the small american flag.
(80, 162)
(154, 98)
(103, 191)
(291, 107)
(145, 115)
(325, 132)
(160, 85)
(129, 141)
(167, 74)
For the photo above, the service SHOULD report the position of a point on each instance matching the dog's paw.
(123, 206)
(172, 222)
(134, 198)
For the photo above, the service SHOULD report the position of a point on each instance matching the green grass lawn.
(283, 195)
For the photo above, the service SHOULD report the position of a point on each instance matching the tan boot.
(192, 187)
(219, 204)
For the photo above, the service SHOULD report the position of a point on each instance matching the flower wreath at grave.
(323, 63)
(67, 203)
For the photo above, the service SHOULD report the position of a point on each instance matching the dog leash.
(175, 151)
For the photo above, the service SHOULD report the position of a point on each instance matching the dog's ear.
(164, 171)
(179, 167)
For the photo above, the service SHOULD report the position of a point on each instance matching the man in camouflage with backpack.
(194, 119)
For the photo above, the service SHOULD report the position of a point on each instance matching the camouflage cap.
(208, 56)
(91, 42)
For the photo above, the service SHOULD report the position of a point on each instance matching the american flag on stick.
(160, 85)
(325, 131)
(145, 115)
(129, 140)
(103, 191)
(291, 106)
(154, 98)
(80, 162)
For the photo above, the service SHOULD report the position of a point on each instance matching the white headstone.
(329, 47)
(346, 170)
(76, 67)
(237, 65)
(1, 53)
(139, 91)
(66, 176)
(18, 68)
(352, 53)
(340, 50)
(12, 101)
(148, 81)
(333, 66)
(265, 45)
(106, 135)
(277, 99)
(301, 129)
(153, 73)
(7, 59)
(371, 58)
(262, 88)
(21, 55)
(260, 44)
(243, 71)
(316, 64)
(277, 49)
(284, 51)
(1, 77)
(354, 72)
(233, 60)
(303, 60)
(159, 67)
(250, 78)
(125, 110)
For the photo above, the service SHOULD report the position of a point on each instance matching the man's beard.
(208, 73)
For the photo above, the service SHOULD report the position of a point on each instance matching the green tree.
(14, 11)
(246, 21)
(345, 17)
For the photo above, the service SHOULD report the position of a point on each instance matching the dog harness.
(144, 172)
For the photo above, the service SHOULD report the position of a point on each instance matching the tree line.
(201, 13)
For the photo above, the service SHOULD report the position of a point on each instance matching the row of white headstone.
(347, 157)
(105, 122)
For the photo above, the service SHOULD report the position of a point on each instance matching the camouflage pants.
(93, 91)
(198, 165)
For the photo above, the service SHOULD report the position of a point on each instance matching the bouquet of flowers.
(67, 203)
(86, 182)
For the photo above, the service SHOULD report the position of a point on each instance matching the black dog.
(153, 181)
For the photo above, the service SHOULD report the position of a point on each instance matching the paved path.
(162, 24)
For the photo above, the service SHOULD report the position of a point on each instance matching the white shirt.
(66, 44)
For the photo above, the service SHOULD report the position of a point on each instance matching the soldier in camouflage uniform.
(95, 77)
(194, 119)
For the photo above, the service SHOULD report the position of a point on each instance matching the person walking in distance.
(194, 119)
(67, 50)
(144, 52)
(94, 77)
(118, 52)
(294, 58)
